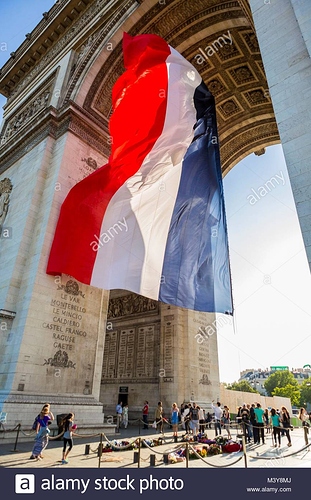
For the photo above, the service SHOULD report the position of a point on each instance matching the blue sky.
(270, 273)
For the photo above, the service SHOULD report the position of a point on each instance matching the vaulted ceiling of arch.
(233, 72)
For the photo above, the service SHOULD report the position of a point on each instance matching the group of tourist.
(254, 420)
(252, 417)
(41, 426)
(193, 418)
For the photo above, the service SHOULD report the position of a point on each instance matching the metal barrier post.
(244, 451)
(139, 446)
(87, 449)
(152, 460)
(100, 449)
(17, 435)
(187, 454)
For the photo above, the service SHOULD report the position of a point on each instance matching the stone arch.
(233, 70)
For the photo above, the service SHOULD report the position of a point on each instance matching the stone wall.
(234, 399)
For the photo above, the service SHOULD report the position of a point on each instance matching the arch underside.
(233, 72)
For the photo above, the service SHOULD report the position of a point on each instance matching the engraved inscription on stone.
(168, 363)
(202, 350)
(145, 352)
(125, 363)
(129, 354)
(65, 323)
(110, 355)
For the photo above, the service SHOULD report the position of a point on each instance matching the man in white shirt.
(218, 414)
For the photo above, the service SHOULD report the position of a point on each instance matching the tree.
(241, 386)
(289, 391)
(280, 378)
(305, 392)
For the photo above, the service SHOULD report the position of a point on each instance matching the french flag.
(152, 220)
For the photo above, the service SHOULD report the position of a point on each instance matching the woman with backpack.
(68, 427)
(42, 434)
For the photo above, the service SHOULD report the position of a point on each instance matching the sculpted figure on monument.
(5, 190)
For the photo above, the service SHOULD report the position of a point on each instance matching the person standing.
(158, 417)
(186, 415)
(245, 422)
(218, 415)
(145, 414)
(259, 414)
(253, 429)
(266, 420)
(226, 420)
(208, 420)
(119, 415)
(69, 427)
(194, 420)
(174, 420)
(276, 426)
(285, 419)
(303, 417)
(125, 416)
(201, 419)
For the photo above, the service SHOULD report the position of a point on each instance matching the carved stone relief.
(130, 304)
(5, 191)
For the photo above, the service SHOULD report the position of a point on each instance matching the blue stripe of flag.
(196, 271)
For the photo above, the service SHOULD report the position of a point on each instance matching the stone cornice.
(50, 122)
(43, 37)
(52, 36)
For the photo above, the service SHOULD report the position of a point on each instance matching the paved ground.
(257, 456)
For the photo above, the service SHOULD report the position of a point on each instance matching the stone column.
(53, 348)
(283, 31)
(188, 356)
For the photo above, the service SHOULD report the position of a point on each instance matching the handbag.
(154, 425)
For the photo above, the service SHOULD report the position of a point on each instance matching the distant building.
(257, 377)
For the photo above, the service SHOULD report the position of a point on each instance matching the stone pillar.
(188, 357)
(52, 348)
(283, 31)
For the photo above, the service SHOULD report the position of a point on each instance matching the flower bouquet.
(214, 449)
(221, 440)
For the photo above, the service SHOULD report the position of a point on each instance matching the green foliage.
(305, 392)
(280, 379)
(289, 391)
(241, 386)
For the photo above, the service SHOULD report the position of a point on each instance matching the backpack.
(194, 414)
(34, 425)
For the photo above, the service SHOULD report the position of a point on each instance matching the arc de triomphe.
(67, 343)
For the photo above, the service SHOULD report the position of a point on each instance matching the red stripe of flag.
(134, 131)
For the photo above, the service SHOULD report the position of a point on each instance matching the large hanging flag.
(152, 219)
